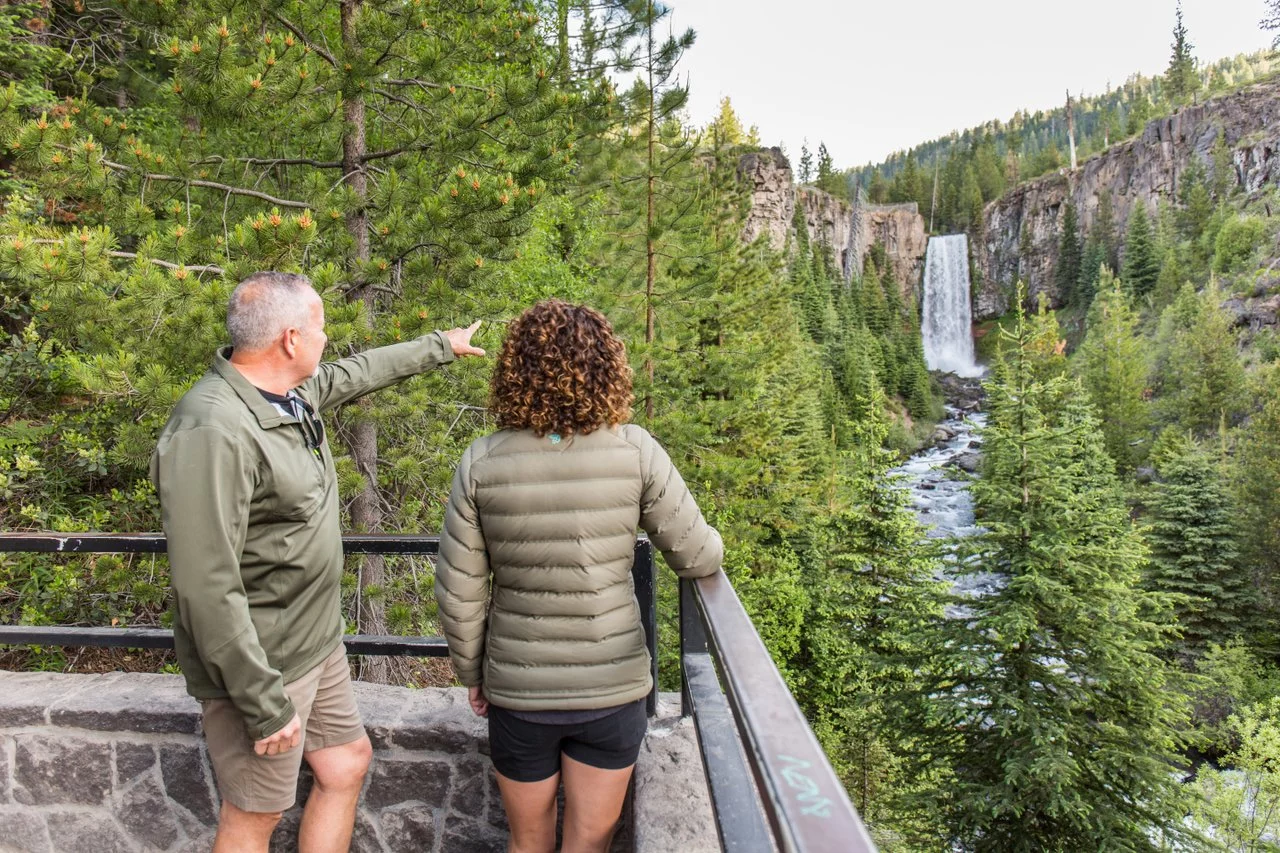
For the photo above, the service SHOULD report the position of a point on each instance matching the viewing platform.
(116, 761)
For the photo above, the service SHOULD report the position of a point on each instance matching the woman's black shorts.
(525, 751)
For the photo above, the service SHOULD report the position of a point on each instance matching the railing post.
(644, 576)
(693, 639)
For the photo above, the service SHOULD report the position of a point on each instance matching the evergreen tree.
(728, 128)
(1105, 232)
(1194, 552)
(1181, 79)
(1092, 265)
(1258, 490)
(1112, 364)
(1199, 381)
(1141, 254)
(871, 591)
(1057, 716)
(1067, 272)
(806, 162)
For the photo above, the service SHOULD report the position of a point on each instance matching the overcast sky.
(869, 78)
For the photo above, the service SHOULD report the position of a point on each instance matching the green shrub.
(1238, 241)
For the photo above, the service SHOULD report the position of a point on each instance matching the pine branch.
(226, 188)
(320, 51)
(166, 264)
(132, 256)
(427, 84)
(274, 161)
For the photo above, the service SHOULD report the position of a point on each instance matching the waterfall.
(947, 325)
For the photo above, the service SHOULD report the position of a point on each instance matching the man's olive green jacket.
(251, 516)
(534, 577)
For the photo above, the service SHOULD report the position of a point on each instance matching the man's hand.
(479, 704)
(282, 741)
(460, 340)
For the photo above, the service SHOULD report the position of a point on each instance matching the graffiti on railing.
(815, 804)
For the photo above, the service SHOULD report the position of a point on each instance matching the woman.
(534, 576)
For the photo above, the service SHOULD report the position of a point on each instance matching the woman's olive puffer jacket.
(552, 522)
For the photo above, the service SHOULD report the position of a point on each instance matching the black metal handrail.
(642, 572)
(795, 787)
(771, 785)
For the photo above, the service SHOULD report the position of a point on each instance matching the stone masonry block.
(6, 769)
(145, 815)
(364, 838)
(23, 832)
(440, 721)
(25, 696)
(183, 767)
(409, 828)
(393, 781)
(84, 831)
(132, 760)
(380, 709)
(672, 809)
(51, 769)
(464, 835)
(139, 703)
(470, 781)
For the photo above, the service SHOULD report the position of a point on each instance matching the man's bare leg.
(240, 831)
(330, 813)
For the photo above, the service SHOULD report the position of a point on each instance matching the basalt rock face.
(1143, 170)
(849, 230)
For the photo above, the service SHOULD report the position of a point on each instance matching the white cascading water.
(947, 324)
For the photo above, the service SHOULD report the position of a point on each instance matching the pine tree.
(1092, 263)
(1258, 490)
(1066, 643)
(1112, 363)
(872, 588)
(1067, 272)
(1181, 78)
(1199, 381)
(1195, 554)
(1141, 254)
(1105, 232)
(728, 128)
(806, 162)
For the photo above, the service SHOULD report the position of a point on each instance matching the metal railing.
(771, 785)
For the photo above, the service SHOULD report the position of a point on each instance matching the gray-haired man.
(249, 503)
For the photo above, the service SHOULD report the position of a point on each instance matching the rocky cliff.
(848, 229)
(1142, 170)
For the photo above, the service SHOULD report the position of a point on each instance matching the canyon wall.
(850, 230)
(1143, 170)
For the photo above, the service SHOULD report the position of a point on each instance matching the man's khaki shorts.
(326, 705)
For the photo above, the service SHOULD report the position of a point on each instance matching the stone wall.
(115, 763)
(1144, 170)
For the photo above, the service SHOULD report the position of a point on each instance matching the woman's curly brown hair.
(561, 370)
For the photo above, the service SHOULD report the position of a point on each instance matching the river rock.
(963, 392)
(969, 462)
(941, 435)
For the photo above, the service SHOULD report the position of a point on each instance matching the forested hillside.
(953, 177)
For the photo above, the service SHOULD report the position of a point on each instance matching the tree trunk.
(651, 264)
(362, 437)
(562, 41)
(1071, 131)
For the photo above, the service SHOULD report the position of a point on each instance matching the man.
(249, 503)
